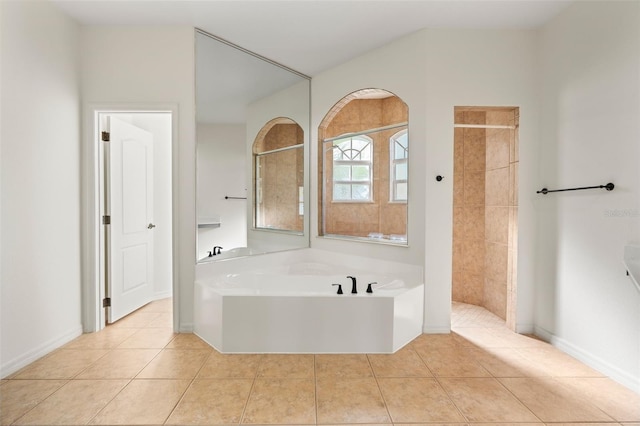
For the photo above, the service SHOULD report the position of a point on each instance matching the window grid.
(352, 169)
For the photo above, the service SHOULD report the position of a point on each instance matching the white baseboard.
(162, 295)
(609, 370)
(21, 361)
(436, 330)
(525, 329)
(185, 328)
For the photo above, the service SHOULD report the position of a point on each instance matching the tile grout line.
(110, 401)
(458, 409)
(130, 380)
(375, 377)
(253, 384)
(43, 400)
(195, 376)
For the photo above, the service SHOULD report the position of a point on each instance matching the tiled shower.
(485, 209)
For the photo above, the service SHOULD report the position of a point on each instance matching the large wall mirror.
(252, 126)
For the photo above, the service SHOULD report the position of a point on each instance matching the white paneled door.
(129, 183)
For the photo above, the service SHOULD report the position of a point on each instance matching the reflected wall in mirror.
(278, 154)
(364, 160)
(237, 92)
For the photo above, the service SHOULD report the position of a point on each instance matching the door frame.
(93, 315)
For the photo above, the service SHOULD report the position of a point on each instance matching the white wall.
(433, 71)
(40, 114)
(399, 67)
(221, 163)
(590, 133)
(477, 68)
(148, 65)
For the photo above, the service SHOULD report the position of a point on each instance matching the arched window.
(352, 169)
(398, 168)
(363, 168)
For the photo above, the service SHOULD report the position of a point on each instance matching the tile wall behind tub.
(485, 210)
(360, 219)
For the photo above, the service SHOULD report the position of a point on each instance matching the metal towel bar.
(608, 187)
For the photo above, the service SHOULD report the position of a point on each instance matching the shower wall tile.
(474, 256)
(496, 261)
(500, 117)
(474, 222)
(458, 252)
(458, 188)
(475, 117)
(495, 297)
(467, 287)
(474, 149)
(485, 226)
(457, 285)
(497, 148)
(497, 187)
(458, 150)
(458, 222)
(497, 224)
(472, 290)
(474, 188)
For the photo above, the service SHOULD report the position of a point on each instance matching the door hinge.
(106, 219)
(106, 302)
(105, 137)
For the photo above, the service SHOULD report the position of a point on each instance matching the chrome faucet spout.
(354, 288)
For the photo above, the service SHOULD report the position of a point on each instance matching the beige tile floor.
(139, 372)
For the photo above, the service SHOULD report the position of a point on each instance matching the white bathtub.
(232, 253)
(292, 307)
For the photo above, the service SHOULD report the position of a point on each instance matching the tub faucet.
(369, 289)
(216, 250)
(354, 289)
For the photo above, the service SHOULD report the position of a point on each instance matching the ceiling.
(314, 35)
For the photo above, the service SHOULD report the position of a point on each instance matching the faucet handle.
(369, 289)
(339, 288)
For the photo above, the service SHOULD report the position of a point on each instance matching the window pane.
(360, 173)
(401, 171)
(365, 153)
(359, 144)
(341, 191)
(360, 192)
(400, 151)
(338, 152)
(401, 191)
(341, 172)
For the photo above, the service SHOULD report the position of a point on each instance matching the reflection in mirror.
(279, 176)
(237, 92)
(363, 168)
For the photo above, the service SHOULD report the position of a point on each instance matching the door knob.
(151, 226)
